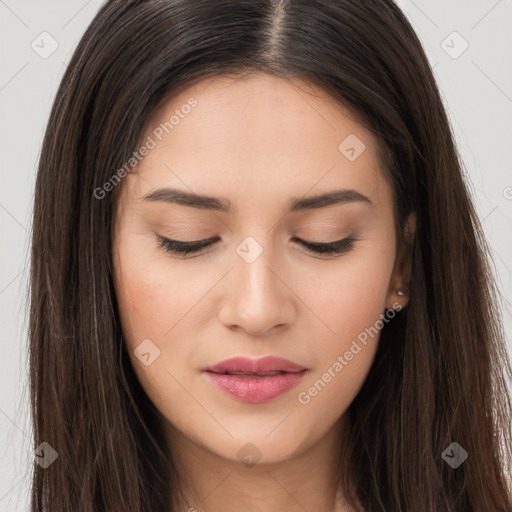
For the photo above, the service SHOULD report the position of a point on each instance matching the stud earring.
(399, 292)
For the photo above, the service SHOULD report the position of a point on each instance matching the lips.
(255, 381)
(269, 365)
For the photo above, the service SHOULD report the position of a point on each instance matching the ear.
(401, 275)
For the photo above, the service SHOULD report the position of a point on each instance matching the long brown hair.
(440, 372)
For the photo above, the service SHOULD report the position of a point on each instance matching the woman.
(258, 279)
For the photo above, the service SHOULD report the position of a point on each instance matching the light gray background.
(476, 86)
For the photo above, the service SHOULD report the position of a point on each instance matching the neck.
(306, 481)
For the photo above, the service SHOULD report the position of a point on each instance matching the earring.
(399, 292)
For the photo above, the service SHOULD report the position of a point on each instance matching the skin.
(258, 142)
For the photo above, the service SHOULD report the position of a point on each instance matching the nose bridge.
(257, 300)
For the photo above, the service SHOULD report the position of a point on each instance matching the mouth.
(255, 381)
(248, 366)
(245, 374)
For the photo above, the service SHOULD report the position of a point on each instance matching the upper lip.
(248, 365)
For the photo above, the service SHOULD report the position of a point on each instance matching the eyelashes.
(184, 248)
(336, 247)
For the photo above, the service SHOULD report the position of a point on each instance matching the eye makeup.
(183, 248)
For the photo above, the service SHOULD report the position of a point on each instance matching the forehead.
(229, 108)
(258, 134)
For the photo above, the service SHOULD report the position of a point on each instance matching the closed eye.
(336, 247)
(184, 248)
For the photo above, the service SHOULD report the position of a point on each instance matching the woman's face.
(263, 148)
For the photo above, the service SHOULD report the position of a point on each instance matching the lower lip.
(255, 389)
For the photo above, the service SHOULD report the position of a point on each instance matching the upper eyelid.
(216, 239)
(197, 245)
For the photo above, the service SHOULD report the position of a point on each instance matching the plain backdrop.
(469, 43)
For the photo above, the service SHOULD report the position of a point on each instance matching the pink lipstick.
(255, 380)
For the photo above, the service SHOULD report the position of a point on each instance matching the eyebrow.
(175, 196)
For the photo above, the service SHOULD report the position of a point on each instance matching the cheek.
(152, 299)
(156, 300)
(351, 303)
(352, 298)
(343, 359)
(354, 320)
(140, 301)
(150, 293)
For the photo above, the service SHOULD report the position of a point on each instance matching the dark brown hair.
(440, 372)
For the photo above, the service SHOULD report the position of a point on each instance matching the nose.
(257, 298)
